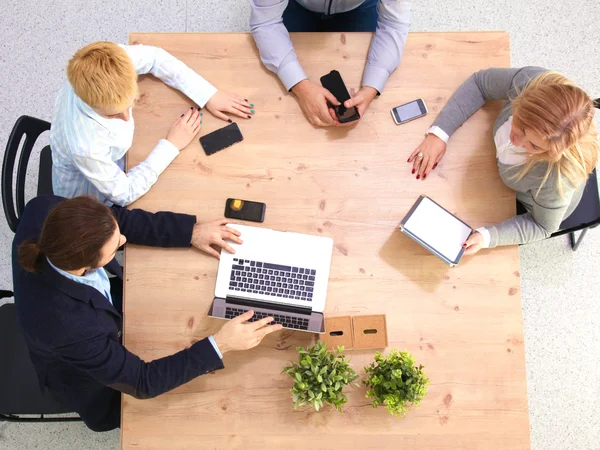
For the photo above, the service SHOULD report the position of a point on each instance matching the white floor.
(560, 288)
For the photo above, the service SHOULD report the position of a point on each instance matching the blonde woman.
(546, 147)
(92, 126)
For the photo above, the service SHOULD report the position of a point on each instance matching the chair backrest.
(14, 202)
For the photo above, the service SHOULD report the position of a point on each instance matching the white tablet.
(436, 229)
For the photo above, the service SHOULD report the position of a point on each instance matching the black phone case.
(221, 138)
(333, 83)
(251, 211)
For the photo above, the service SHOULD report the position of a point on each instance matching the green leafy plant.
(320, 377)
(395, 381)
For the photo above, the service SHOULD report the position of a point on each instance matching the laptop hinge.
(253, 303)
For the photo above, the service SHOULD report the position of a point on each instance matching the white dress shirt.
(506, 153)
(88, 151)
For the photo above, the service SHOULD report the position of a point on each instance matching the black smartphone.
(221, 139)
(409, 111)
(333, 83)
(245, 210)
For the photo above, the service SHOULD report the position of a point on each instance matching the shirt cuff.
(163, 154)
(375, 77)
(214, 344)
(199, 90)
(291, 74)
(486, 236)
(439, 133)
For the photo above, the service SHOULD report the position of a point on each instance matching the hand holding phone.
(334, 83)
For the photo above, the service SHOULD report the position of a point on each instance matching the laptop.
(275, 273)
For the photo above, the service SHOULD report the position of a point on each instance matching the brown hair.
(563, 115)
(103, 76)
(72, 236)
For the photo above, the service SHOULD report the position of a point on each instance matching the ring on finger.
(420, 155)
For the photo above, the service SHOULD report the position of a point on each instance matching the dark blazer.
(74, 333)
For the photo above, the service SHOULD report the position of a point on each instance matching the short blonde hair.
(563, 115)
(103, 76)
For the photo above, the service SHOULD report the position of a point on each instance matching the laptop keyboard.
(275, 280)
(295, 323)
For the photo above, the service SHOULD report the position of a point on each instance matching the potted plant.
(320, 377)
(396, 382)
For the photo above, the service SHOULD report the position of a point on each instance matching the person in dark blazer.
(70, 312)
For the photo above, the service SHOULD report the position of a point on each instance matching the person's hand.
(313, 102)
(473, 244)
(432, 150)
(209, 234)
(362, 99)
(238, 334)
(185, 128)
(224, 102)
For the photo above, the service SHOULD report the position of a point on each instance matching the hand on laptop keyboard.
(239, 334)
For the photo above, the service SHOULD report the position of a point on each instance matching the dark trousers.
(296, 18)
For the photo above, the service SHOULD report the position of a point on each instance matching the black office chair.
(14, 202)
(587, 213)
(20, 392)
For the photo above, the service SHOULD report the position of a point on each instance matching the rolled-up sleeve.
(273, 41)
(388, 42)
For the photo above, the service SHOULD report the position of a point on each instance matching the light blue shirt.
(277, 51)
(88, 150)
(98, 279)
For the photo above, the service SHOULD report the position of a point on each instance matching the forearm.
(517, 230)
(273, 41)
(161, 229)
(171, 71)
(387, 45)
(123, 188)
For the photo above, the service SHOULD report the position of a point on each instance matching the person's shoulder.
(526, 74)
(34, 214)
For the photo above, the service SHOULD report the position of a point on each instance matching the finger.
(357, 99)
(231, 237)
(329, 96)
(316, 121)
(429, 167)
(417, 163)
(262, 322)
(325, 116)
(424, 162)
(194, 113)
(224, 245)
(332, 114)
(243, 317)
(232, 230)
(242, 108)
(413, 154)
(220, 115)
(237, 112)
(211, 251)
(268, 330)
(471, 250)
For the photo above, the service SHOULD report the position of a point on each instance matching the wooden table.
(354, 185)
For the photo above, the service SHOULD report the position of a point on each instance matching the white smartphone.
(409, 111)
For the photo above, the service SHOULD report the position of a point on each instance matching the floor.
(560, 288)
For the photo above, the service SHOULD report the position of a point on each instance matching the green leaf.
(319, 378)
(298, 376)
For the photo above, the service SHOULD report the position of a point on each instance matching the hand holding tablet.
(436, 229)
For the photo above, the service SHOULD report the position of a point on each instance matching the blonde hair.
(103, 76)
(563, 115)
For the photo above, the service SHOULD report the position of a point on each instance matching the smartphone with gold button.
(245, 210)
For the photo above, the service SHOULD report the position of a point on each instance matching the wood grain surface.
(353, 184)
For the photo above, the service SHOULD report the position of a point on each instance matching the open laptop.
(275, 273)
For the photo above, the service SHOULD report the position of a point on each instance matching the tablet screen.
(438, 228)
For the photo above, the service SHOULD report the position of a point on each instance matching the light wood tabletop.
(464, 324)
